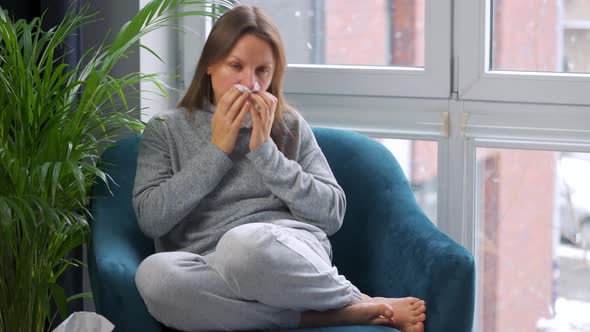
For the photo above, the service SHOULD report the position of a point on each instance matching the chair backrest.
(120, 162)
(115, 230)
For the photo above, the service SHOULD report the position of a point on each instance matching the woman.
(240, 212)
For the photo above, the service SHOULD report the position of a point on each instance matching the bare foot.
(409, 313)
(418, 327)
(364, 313)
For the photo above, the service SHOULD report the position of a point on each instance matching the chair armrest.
(422, 259)
(426, 263)
(411, 254)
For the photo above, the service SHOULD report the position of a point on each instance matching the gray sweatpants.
(261, 276)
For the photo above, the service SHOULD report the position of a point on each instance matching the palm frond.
(55, 120)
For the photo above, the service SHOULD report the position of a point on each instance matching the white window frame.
(430, 81)
(524, 110)
(505, 110)
(477, 82)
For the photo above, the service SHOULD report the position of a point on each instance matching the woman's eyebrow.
(234, 58)
(237, 58)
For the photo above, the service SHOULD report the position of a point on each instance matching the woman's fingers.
(243, 112)
(262, 111)
(269, 99)
(269, 104)
(260, 105)
(228, 99)
(227, 119)
(234, 109)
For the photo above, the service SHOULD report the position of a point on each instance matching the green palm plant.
(55, 120)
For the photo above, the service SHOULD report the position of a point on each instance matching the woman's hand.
(227, 119)
(262, 111)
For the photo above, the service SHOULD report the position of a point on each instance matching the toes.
(380, 310)
(380, 314)
(418, 327)
(381, 321)
(415, 305)
(421, 318)
(412, 300)
(418, 319)
(420, 309)
(386, 311)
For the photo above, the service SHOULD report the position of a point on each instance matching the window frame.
(430, 81)
(477, 82)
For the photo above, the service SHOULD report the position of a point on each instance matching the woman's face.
(251, 61)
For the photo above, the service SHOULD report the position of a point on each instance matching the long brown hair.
(228, 29)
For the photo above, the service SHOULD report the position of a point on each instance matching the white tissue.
(248, 119)
(85, 321)
(244, 88)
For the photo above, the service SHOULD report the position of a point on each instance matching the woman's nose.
(249, 80)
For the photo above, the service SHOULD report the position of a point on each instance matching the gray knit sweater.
(188, 193)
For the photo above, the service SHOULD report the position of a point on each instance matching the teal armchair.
(387, 246)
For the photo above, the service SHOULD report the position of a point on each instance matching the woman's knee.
(243, 249)
(159, 277)
(150, 275)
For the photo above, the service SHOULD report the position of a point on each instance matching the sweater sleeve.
(307, 185)
(163, 197)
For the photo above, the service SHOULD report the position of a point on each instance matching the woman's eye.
(236, 66)
(264, 70)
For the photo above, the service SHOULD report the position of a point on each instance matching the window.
(574, 35)
(548, 36)
(523, 51)
(534, 217)
(418, 160)
(331, 32)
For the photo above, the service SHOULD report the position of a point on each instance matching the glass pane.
(533, 210)
(419, 161)
(547, 36)
(347, 32)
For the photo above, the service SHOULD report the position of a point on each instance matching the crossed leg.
(267, 276)
(277, 250)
